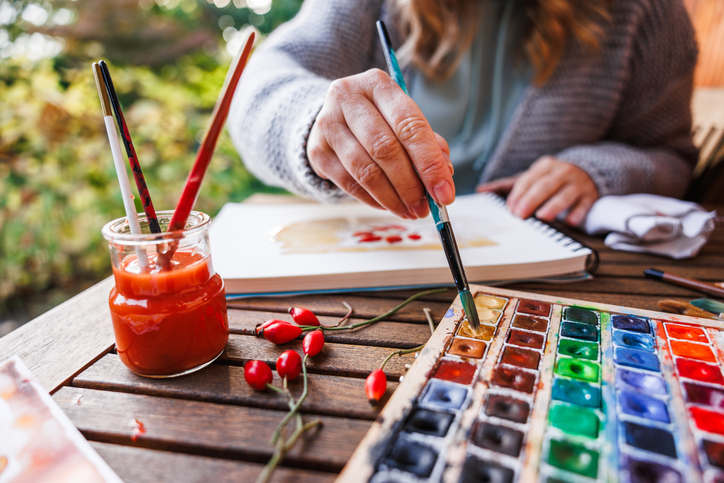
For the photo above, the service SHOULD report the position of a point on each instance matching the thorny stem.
(294, 409)
(379, 317)
(429, 320)
(401, 352)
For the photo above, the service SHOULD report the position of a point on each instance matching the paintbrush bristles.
(471, 312)
(683, 308)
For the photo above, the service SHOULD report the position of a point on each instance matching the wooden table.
(210, 426)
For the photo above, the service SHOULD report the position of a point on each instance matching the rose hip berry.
(260, 327)
(313, 343)
(258, 374)
(303, 316)
(280, 332)
(375, 386)
(289, 365)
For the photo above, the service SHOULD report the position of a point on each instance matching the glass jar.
(169, 319)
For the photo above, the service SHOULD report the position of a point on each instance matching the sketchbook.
(298, 248)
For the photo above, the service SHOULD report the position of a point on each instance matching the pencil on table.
(130, 151)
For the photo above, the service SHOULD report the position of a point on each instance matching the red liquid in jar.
(168, 322)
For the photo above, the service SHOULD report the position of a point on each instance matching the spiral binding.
(548, 230)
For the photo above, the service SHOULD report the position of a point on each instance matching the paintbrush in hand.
(439, 212)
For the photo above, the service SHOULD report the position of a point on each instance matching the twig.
(347, 316)
(401, 352)
(379, 317)
(429, 320)
(282, 448)
(294, 409)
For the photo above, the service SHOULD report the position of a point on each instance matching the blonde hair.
(439, 32)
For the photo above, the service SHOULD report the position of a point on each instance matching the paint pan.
(429, 422)
(507, 407)
(498, 438)
(411, 457)
(443, 395)
(478, 470)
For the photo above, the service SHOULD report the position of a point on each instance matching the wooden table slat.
(331, 305)
(219, 383)
(400, 335)
(60, 343)
(141, 465)
(204, 428)
(335, 359)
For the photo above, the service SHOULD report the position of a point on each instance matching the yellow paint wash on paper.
(365, 234)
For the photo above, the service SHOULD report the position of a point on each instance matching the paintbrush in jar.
(128, 204)
(208, 145)
(130, 151)
(439, 212)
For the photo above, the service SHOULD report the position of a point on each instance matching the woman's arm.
(285, 84)
(648, 146)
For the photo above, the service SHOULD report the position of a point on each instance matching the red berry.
(375, 386)
(260, 327)
(313, 343)
(289, 365)
(280, 332)
(303, 316)
(258, 374)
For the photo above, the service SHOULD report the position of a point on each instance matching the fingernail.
(444, 193)
(420, 208)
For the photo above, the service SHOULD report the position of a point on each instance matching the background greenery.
(58, 186)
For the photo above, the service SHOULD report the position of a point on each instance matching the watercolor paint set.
(554, 390)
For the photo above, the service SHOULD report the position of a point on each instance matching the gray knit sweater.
(623, 115)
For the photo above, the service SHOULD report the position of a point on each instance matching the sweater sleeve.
(285, 84)
(649, 148)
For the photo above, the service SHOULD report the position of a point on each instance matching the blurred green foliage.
(58, 185)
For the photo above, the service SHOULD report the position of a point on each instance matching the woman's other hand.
(548, 188)
(370, 137)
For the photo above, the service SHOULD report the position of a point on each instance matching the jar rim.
(118, 230)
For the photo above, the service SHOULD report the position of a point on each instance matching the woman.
(555, 102)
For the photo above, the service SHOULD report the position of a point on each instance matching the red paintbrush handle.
(193, 183)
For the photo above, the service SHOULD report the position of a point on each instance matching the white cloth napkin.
(651, 224)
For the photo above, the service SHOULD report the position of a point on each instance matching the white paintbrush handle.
(128, 204)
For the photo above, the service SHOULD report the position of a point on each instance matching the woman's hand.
(370, 137)
(548, 188)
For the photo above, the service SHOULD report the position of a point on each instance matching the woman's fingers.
(578, 213)
(501, 186)
(551, 187)
(414, 133)
(327, 165)
(369, 127)
(525, 182)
